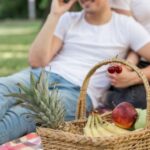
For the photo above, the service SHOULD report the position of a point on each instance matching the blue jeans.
(13, 120)
(136, 95)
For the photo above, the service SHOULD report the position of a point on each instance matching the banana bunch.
(96, 127)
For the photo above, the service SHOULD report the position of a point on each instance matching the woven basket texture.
(74, 138)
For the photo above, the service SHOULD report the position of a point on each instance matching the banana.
(93, 127)
(87, 129)
(96, 127)
(102, 131)
(113, 128)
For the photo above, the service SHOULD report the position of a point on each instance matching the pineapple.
(46, 107)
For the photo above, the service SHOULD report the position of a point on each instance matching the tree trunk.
(31, 9)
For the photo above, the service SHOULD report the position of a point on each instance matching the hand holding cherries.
(115, 69)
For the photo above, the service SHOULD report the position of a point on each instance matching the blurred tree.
(31, 9)
(13, 9)
(19, 8)
(44, 7)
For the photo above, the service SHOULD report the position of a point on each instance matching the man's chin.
(89, 10)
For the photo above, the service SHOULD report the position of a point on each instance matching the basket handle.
(81, 106)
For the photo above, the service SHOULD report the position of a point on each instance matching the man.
(68, 46)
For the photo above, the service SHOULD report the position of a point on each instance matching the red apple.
(124, 115)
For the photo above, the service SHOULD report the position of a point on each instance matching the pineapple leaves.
(46, 107)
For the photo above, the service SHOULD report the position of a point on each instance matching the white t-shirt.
(141, 12)
(139, 8)
(85, 45)
(120, 4)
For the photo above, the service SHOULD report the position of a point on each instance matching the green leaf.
(46, 106)
(24, 88)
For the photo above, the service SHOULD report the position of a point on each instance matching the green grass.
(15, 40)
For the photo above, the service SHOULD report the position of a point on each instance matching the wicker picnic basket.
(62, 140)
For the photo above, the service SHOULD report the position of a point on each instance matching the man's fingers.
(113, 76)
(113, 81)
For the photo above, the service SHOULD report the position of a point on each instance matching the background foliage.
(19, 8)
(17, 32)
(15, 39)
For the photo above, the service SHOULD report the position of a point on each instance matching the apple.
(141, 120)
(124, 115)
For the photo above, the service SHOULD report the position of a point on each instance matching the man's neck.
(99, 18)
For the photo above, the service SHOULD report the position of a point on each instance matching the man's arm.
(46, 45)
(146, 72)
(145, 52)
(132, 57)
(41, 49)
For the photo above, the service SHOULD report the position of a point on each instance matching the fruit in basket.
(93, 128)
(87, 129)
(97, 127)
(98, 123)
(114, 129)
(111, 128)
(141, 120)
(46, 108)
(124, 115)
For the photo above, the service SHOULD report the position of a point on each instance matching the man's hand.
(124, 79)
(59, 6)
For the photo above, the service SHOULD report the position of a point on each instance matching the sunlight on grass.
(14, 47)
(5, 31)
(15, 55)
(15, 40)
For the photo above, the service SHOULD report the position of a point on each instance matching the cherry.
(118, 69)
(111, 69)
(115, 68)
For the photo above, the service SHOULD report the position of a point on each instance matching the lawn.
(15, 40)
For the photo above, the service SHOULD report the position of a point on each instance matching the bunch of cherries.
(115, 68)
